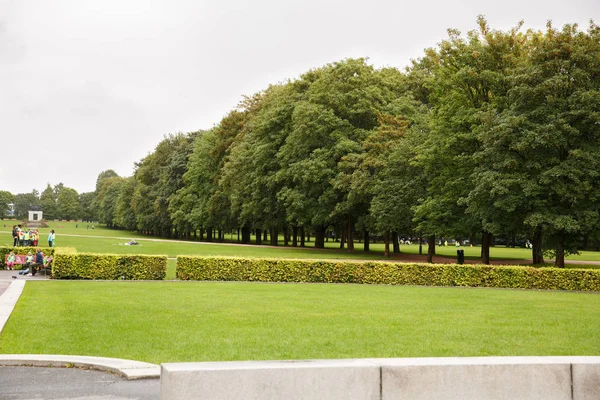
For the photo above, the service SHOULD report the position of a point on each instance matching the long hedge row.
(109, 266)
(272, 270)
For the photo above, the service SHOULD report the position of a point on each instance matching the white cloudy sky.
(90, 85)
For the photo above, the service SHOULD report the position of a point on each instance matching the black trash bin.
(460, 255)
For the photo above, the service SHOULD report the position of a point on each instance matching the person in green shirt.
(10, 261)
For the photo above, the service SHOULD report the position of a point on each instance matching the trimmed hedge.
(273, 270)
(48, 251)
(109, 266)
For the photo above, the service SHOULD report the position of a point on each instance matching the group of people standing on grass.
(29, 237)
(25, 237)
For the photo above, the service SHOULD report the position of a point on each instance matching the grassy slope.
(192, 321)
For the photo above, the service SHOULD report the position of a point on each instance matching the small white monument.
(35, 219)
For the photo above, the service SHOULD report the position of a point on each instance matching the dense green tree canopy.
(492, 133)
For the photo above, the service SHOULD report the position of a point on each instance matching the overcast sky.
(91, 85)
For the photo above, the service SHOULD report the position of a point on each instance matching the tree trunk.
(421, 243)
(274, 237)
(238, 232)
(366, 236)
(294, 236)
(343, 239)
(308, 236)
(286, 235)
(265, 235)
(396, 242)
(209, 234)
(301, 236)
(386, 239)
(430, 248)
(559, 262)
(349, 234)
(536, 246)
(485, 247)
(221, 235)
(259, 236)
(320, 237)
(246, 233)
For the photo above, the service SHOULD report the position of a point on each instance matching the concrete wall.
(481, 378)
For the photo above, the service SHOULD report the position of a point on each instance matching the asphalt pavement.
(37, 383)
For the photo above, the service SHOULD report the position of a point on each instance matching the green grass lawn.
(104, 240)
(193, 321)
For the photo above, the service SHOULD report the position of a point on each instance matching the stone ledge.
(464, 378)
(268, 380)
(128, 369)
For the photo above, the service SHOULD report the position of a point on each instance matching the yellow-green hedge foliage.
(273, 270)
(109, 266)
(48, 251)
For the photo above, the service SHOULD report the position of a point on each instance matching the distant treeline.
(489, 134)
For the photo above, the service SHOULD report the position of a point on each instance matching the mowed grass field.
(208, 321)
(194, 321)
(101, 239)
(82, 237)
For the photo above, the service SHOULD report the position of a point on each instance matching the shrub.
(109, 266)
(272, 270)
(48, 251)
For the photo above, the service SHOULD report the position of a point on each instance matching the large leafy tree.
(249, 174)
(195, 206)
(109, 192)
(159, 176)
(24, 202)
(49, 202)
(466, 77)
(68, 204)
(124, 213)
(86, 202)
(540, 162)
(6, 198)
(335, 110)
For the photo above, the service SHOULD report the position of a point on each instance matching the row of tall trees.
(492, 133)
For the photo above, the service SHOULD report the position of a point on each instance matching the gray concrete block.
(497, 378)
(586, 378)
(271, 380)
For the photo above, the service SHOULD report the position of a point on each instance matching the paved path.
(35, 383)
(6, 278)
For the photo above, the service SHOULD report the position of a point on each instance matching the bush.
(272, 270)
(48, 251)
(109, 266)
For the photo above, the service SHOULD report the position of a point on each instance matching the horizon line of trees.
(57, 202)
(489, 134)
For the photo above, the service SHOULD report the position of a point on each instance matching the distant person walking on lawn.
(51, 237)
